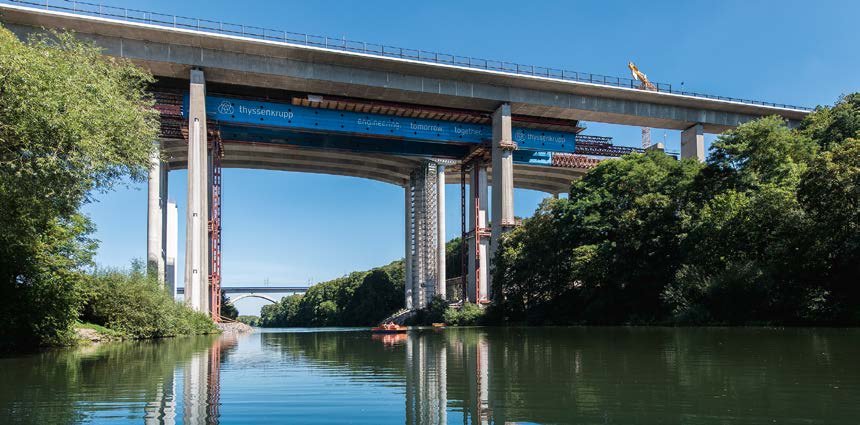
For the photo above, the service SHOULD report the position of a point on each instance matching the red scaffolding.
(215, 229)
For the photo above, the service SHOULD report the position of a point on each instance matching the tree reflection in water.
(455, 375)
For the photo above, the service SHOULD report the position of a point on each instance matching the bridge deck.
(171, 51)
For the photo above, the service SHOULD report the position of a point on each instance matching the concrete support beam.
(440, 231)
(477, 268)
(197, 219)
(503, 147)
(693, 143)
(156, 215)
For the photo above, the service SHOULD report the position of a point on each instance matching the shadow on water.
(456, 375)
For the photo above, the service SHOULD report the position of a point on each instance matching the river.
(582, 375)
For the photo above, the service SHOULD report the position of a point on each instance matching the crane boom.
(641, 77)
(646, 85)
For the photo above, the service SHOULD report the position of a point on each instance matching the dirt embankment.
(92, 335)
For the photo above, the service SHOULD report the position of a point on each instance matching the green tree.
(72, 123)
(358, 299)
(228, 310)
(604, 254)
(767, 230)
(374, 299)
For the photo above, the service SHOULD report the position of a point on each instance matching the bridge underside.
(388, 168)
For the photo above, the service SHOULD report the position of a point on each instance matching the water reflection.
(469, 376)
(426, 379)
(200, 388)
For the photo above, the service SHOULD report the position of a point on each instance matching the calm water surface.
(470, 375)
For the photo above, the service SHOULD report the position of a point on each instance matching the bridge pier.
(503, 147)
(478, 235)
(422, 234)
(156, 217)
(693, 143)
(171, 247)
(440, 231)
(197, 218)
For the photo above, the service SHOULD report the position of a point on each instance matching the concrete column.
(171, 247)
(440, 228)
(163, 201)
(419, 254)
(693, 143)
(503, 180)
(478, 253)
(407, 213)
(197, 218)
(157, 197)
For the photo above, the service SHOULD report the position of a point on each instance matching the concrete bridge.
(240, 96)
(272, 294)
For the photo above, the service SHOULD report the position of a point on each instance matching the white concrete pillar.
(163, 200)
(197, 218)
(171, 247)
(440, 228)
(503, 148)
(407, 213)
(693, 143)
(478, 253)
(156, 199)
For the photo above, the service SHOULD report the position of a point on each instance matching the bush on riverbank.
(767, 230)
(468, 315)
(136, 305)
(72, 123)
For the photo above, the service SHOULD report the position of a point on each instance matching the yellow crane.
(645, 85)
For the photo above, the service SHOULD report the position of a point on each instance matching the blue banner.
(299, 118)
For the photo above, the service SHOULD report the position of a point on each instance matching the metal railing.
(343, 44)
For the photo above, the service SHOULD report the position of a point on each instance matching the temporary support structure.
(216, 153)
(422, 234)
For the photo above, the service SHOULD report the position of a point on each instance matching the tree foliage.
(767, 230)
(228, 310)
(359, 299)
(72, 123)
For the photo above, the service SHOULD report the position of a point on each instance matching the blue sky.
(292, 228)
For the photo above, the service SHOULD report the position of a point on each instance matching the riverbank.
(90, 333)
(234, 327)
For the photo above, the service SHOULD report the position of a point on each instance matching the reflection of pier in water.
(200, 387)
(427, 377)
(190, 393)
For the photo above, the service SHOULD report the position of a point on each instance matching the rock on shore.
(234, 327)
